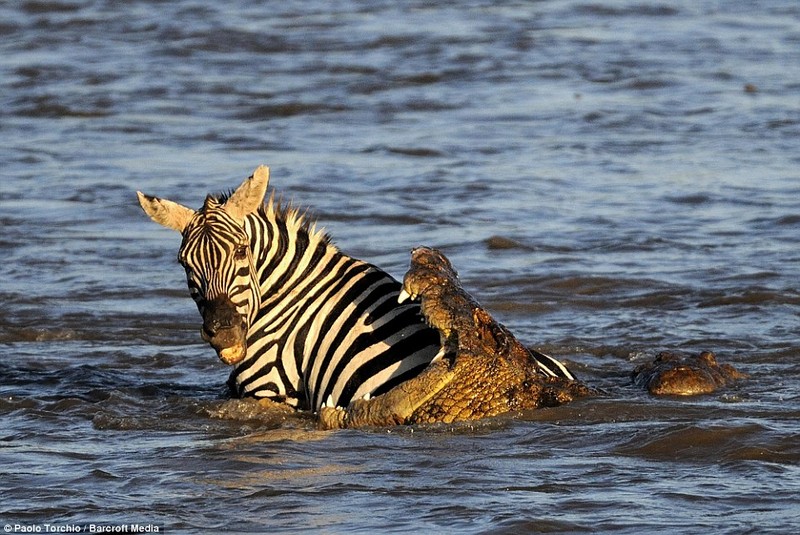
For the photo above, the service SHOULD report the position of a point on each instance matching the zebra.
(300, 322)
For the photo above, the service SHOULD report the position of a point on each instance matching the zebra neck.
(297, 268)
(287, 251)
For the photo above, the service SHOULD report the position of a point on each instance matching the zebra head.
(217, 256)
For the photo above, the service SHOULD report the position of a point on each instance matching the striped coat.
(300, 322)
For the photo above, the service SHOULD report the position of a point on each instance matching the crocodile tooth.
(438, 356)
(328, 402)
(404, 296)
(366, 397)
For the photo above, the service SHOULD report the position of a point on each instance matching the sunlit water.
(610, 179)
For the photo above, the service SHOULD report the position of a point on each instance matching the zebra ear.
(167, 213)
(249, 195)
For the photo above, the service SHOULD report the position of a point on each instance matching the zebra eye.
(240, 253)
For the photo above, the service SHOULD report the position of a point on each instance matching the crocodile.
(677, 374)
(481, 370)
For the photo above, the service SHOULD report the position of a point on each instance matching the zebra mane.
(278, 210)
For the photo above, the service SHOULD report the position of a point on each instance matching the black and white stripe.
(328, 326)
(549, 366)
(215, 257)
(320, 326)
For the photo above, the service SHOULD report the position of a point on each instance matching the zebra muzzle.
(224, 329)
(233, 354)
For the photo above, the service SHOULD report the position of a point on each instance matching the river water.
(610, 179)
